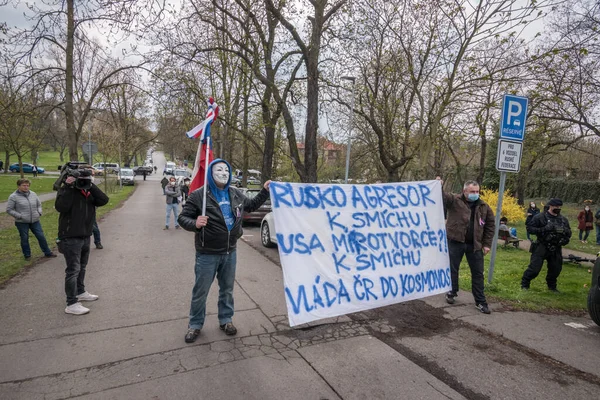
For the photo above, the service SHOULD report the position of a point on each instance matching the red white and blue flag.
(203, 128)
(202, 131)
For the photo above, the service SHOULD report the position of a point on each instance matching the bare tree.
(56, 44)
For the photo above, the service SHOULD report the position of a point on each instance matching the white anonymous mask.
(220, 173)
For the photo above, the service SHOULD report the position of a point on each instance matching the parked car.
(180, 174)
(139, 170)
(594, 294)
(109, 168)
(169, 167)
(126, 176)
(268, 235)
(27, 168)
(235, 182)
(252, 180)
(263, 210)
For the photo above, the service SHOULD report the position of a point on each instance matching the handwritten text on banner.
(347, 248)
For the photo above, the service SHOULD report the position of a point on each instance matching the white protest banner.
(347, 248)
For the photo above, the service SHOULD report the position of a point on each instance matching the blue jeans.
(597, 234)
(77, 253)
(96, 232)
(175, 211)
(36, 228)
(207, 266)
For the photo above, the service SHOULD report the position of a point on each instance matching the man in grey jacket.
(173, 193)
(26, 208)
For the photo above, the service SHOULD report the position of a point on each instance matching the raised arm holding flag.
(204, 155)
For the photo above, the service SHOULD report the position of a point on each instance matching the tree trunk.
(311, 154)
(20, 161)
(393, 175)
(6, 161)
(69, 111)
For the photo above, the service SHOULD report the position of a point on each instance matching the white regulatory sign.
(509, 155)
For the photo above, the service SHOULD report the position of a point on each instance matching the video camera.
(82, 172)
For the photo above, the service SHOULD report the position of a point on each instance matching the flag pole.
(205, 176)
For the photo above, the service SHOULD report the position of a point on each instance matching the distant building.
(329, 151)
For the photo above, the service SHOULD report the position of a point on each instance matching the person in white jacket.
(26, 208)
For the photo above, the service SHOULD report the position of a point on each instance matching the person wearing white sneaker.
(76, 201)
(77, 309)
(87, 296)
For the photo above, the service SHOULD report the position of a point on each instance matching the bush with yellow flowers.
(510, 208)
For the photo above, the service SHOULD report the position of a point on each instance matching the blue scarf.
(222, 195)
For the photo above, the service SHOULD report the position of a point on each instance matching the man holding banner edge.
(470, 226)
(216, 235)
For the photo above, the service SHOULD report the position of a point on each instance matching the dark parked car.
(259, 214)
(140, 170)
(27, 168)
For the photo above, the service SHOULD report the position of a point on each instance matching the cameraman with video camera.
(553, 232)
(76, 202)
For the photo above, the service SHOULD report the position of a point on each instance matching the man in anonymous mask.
(216, 237)
(470, 226)
(553, 232)
(76, 201)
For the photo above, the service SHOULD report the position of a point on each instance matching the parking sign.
(514, 116)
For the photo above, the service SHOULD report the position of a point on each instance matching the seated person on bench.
(506, 235)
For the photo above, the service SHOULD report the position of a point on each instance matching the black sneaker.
(451, 297)
(99, 246)
(27, 258)
(524, 287)
(51, 255)
(554, 290)
(229, 329)
(483, 308)
(192, 335)
(166, 228)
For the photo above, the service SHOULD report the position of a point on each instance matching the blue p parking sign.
(514, 115)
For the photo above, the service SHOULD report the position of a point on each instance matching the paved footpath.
(130, 346)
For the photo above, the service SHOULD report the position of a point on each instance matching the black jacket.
(550, 229)
(77, 212)
(214, 238)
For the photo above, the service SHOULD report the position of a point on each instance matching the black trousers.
(541, 253)
(475, 259)
(77, 253)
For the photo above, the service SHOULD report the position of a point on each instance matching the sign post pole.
(498, 212)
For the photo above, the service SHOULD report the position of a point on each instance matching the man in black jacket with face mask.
(76, 201)
(553, 232)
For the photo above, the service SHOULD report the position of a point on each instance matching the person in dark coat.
(553, 232)
(76, 201)
(531, 212)
(164, 183)
(586, 223)
(598, 226)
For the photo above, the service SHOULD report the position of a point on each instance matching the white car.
(268, 236)
(126, 175)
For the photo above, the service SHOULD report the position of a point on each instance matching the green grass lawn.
(41, 184)
(51, 159)
(573, 283)
(570, 211)
(11, 257)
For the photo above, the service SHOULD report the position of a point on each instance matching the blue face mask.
(473, 197)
